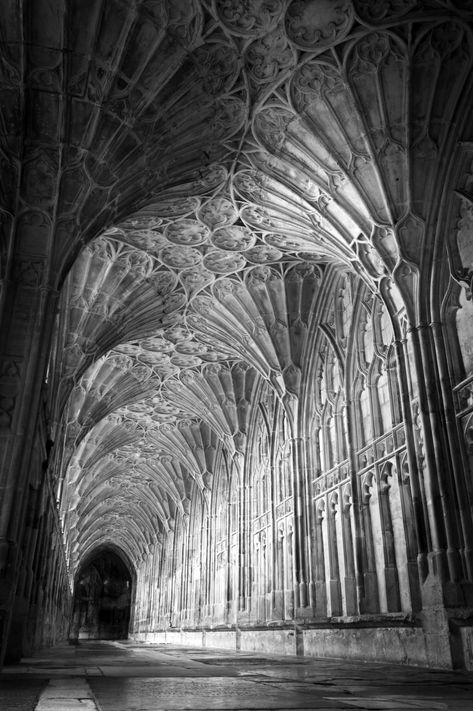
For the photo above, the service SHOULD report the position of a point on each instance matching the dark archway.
(102, 597)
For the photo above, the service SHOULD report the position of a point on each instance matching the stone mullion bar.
(320, 577)
(289, 566)
(149, 579)
(178, 535)
(189, 567)
(334, 567)
(370, 601)
(143, 595)
(159, 614)
(154, 587)
(409, 529)
(393, 599)
(347, 542)
(138, 603)
(213, 582)
(208, 564)
(166, 582)
(241, 548)
(249, 547)
(228, 601)
(245, 542)
(356, 503)
(184, 577)
(202, 556)
(276, 588)
(146, 583)
(173, 611)
(301, 552)
(308, 526)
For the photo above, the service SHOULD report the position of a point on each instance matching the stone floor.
(124, 676)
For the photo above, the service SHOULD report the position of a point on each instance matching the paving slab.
(386, 702)
(116, 676)
(22, 696)
(67, 695)
(197, 694)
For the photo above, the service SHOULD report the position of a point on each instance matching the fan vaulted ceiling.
(206, 161)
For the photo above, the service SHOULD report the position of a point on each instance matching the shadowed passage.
(102, 598)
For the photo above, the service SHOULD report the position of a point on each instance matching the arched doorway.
(102, 597)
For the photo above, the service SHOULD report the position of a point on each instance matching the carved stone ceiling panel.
(198, 163)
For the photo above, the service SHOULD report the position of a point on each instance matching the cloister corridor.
(236, 353)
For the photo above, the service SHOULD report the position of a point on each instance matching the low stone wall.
(193, 638)
(151, 637)
(399, 644)
(278, 641)
(222, 639)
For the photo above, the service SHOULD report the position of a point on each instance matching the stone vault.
(236, 318)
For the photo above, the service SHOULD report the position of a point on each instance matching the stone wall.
(319, 520)
(398, 644)
(41, 590)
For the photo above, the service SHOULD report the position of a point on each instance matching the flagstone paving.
(125, 676)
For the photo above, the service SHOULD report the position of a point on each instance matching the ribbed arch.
(246, 232)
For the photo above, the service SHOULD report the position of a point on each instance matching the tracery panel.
(360, 504)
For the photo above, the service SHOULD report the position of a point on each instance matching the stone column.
(419, 520)
(441, 480)
(437, 475)
(457, 477)
(25, 329)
